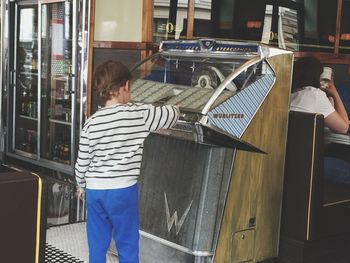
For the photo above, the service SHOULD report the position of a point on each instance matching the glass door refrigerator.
(45, 80)
(24, 81)
(57, 82)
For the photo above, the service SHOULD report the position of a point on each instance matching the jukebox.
(211, 187)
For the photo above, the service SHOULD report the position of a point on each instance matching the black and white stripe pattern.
(55, 255)
(111, 143)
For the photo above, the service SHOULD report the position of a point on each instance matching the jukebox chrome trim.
(211, 48)
(207, 134)
(176, 246)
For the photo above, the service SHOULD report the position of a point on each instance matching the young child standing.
(109, 161)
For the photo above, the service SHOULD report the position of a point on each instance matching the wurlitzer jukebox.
(211, 187)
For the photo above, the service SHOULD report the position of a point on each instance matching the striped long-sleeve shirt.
(111, 143)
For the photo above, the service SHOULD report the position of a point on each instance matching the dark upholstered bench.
(312, 229)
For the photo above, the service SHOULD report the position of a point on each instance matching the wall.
(117, 20)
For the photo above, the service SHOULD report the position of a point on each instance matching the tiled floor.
(68, 244)
(53, 254)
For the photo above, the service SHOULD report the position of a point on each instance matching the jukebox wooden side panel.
(250, 226)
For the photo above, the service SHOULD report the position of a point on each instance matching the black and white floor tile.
(54, 255)
(68, 243)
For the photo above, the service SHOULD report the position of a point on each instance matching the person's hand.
(331, 90)
(80, 193)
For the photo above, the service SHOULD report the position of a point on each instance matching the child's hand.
(80, 193)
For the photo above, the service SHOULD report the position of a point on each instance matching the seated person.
(308, 96)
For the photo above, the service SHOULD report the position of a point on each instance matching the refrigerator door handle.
(71, 79)
(13, 77)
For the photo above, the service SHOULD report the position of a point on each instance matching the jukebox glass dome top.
(218, 86)
(198, 75)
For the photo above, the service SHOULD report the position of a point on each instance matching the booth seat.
(315, 224)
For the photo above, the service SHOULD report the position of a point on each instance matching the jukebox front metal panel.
(192, 184)
(187, 173)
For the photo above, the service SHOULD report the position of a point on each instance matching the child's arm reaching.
(162, 117)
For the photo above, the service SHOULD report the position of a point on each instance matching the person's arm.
(83, 162)
(337, 121)
(162, 117)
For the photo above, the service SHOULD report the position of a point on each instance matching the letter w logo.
(174, 219)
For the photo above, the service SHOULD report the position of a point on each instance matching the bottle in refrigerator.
(66, 154)
(34, 59)
(67, 61)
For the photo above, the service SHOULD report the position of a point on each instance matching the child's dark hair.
(109, 77)
(306, 72)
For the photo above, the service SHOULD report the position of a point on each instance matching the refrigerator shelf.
(60, 122)
(26, 73)
(28, 117)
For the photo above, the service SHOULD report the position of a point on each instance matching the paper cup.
(327, 73)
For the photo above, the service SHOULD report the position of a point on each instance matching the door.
(42, 82)
(24, 79)
(57, 81)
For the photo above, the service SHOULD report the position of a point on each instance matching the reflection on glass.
(345, 28)
(327, 25)
(26, 81)
(202, 24)
(288, 36)
(56, 81)
(288, 33)
(168, 20)
(267, 35)
(293, 25)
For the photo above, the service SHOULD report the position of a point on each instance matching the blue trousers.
(108, 210)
